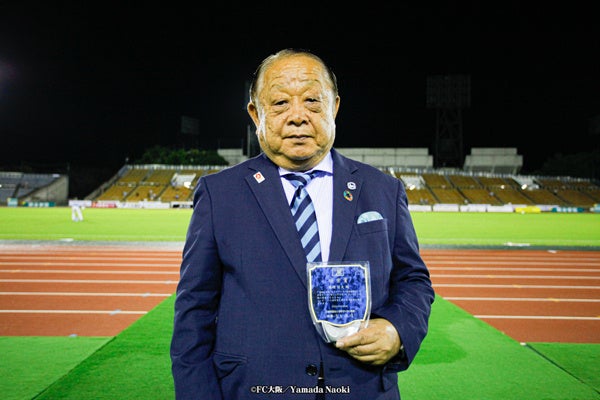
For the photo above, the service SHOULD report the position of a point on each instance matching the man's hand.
(375, 344)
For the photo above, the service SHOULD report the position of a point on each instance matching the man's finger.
(357, 339)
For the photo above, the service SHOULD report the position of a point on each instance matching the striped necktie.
(303, 212)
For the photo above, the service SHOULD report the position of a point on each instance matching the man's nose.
(297, 112)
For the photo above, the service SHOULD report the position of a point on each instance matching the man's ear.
(253, 112)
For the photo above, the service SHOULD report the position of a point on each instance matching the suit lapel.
(346, 191)
(265, 183)
(266, 186)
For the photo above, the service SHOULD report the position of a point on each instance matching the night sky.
(96, 84)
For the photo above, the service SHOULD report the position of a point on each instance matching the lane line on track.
(514, 286)
(83, 281)
(109, 312)
(61, 263)
(87, 271)
(71, 257)
(478, 262)
(545, 317)
(545, 299)
(504, 276)
(482, 262)
(514, 269)
(85, 294)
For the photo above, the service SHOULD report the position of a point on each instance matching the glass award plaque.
(339, 297)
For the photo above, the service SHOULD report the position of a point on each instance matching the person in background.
(242, 326)
(76, 212)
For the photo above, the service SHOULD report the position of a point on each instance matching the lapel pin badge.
(351, 185)
(259, 177)
(348, 195)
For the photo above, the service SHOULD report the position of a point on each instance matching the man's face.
(295, 117)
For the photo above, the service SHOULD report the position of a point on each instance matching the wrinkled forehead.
(295, 72)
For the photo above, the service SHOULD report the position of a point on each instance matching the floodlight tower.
(448, 95)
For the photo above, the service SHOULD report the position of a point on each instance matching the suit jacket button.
(311, 369)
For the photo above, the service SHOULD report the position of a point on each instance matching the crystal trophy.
(339, 297)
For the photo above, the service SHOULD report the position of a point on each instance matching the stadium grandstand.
(33, 189)
(488, 181)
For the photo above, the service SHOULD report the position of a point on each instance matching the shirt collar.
(326, 165)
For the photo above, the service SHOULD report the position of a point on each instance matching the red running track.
(81, 290)
(531, 295)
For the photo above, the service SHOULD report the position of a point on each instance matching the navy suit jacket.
(242, 323)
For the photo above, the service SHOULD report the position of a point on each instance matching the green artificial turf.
(580, 360)
(135, 365)
(439, 228)
(99, 224)
(462, 358)
(29, 364)
(507, 229)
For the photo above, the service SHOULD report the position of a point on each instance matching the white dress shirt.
(320, 190)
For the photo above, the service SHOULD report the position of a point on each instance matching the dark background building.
(91, 86)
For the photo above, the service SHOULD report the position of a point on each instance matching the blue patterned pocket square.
(369, 216)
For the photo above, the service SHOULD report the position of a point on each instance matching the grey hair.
(267, 62)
